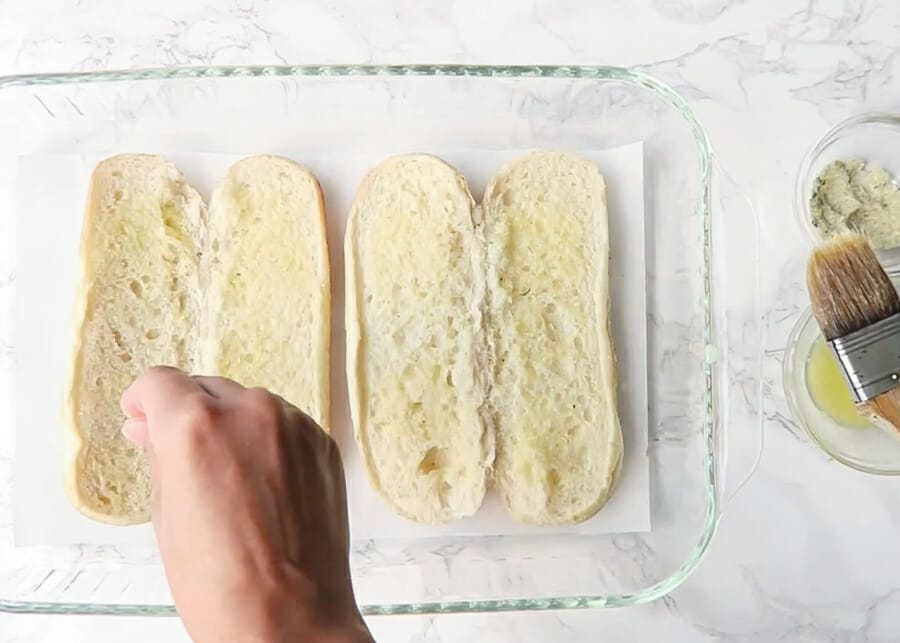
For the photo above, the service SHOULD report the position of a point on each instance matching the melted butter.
(828, 390)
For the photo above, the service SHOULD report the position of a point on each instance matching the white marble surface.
(807, 551)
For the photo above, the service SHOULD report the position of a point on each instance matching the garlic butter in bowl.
(849, 182)
(821, 403)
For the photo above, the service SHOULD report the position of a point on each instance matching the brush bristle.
(848, 287)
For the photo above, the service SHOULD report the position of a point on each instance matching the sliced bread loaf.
(242, 293)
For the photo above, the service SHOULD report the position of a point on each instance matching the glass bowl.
(870, 449)
(872, 137)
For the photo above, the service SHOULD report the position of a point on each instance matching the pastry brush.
(858, 310)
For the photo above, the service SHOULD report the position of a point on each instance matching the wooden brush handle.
(885, 407)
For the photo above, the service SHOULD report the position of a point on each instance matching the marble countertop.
(806, 551)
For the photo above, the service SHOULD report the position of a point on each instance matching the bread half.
(243, 293)
(414, 287)
(553, 389)
(138, 306)
(269, 297)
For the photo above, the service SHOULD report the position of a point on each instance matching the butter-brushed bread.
(413, 320)
(269, 296)
(553, 385)
(138, 306)
(242, 292)
(475, 328)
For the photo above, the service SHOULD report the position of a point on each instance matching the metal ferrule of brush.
(869, 358)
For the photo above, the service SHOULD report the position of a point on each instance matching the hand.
(249, 509)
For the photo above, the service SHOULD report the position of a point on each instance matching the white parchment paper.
(50, 201)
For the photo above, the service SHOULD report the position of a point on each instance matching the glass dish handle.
(735, 352)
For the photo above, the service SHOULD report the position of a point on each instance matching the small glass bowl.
(873, 138)
(872, 449)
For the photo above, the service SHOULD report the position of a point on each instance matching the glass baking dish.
(704, 345)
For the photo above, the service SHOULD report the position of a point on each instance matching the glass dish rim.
(583, 72)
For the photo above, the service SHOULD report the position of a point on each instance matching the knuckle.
(296, 416)
(199, 418)
(333, 454)
(262, 407)
(162, 370)
(326, 438)
(319, 438)
(334, 451)
(158, 373)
